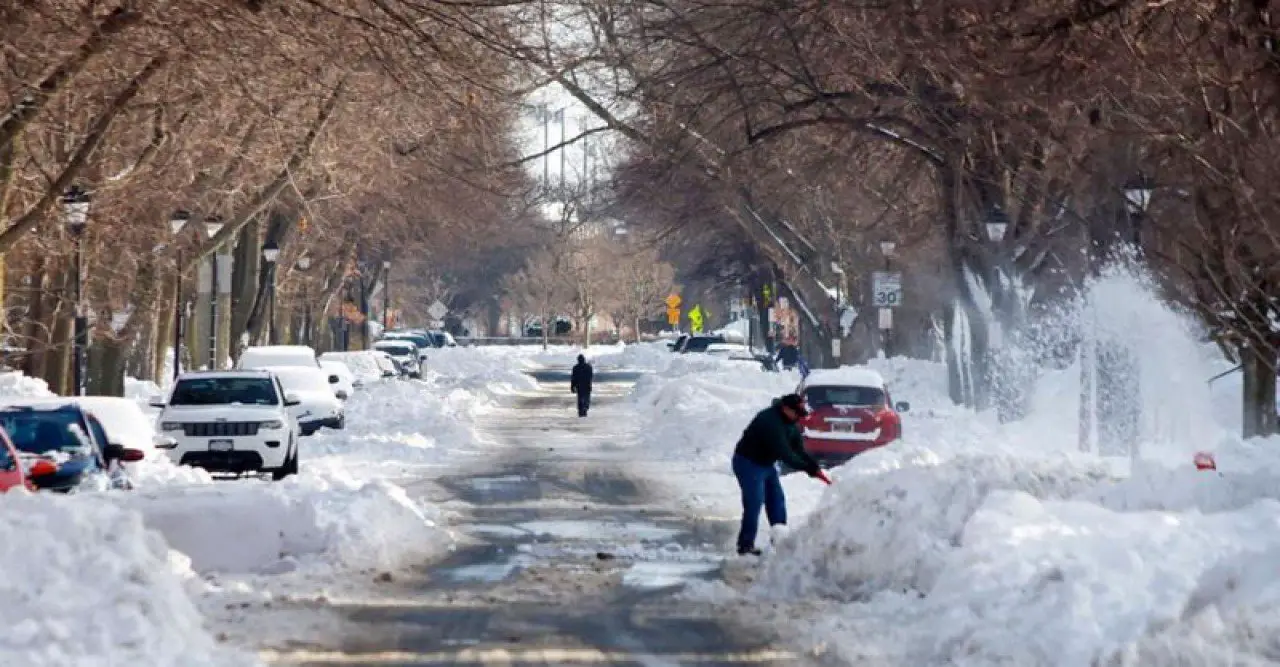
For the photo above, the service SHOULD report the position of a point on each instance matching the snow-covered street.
(472, 518)
(567, 553)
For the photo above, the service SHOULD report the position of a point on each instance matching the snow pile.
(699, 405)
(323, 521)
(85, 583)
(480, 370)
(892, 517)
(653, 357)
(14, 383)
(393, 424)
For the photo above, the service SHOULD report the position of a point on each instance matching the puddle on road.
(651, 575)
(481, 572)
(488, 483)
(600, 530)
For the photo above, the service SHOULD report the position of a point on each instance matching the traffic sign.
(438, 310)
(673, 301)
(886, 289)
(673, 316)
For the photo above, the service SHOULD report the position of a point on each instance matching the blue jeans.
(760, 486)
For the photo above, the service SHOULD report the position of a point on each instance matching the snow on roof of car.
(849, 376)
(236, 373)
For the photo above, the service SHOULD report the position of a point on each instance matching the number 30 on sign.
(886, 289)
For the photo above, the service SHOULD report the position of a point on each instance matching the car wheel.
(290, 466)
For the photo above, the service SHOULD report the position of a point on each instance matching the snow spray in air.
(1122, 372)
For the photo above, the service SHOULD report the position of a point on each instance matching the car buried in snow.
(318, 406)
(850, 412)
(231, 422)
(63, 433)
(18, 471)
(404, 352)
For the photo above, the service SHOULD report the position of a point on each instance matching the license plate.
(842, 428)
(220, 445)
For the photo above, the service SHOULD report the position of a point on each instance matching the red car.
(13, 472)
(850, 411)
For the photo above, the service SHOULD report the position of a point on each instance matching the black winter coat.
(580, 380)
(769, 439)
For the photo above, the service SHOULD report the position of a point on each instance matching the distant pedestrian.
(788, 354)
(771, 437)
(580, 384)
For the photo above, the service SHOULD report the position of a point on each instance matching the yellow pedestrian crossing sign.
(673, 302)
(695, 319)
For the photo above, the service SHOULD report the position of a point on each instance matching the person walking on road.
(770, 438)
(580, 384)
(788, 354)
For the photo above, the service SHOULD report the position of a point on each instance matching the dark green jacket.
(769, 439)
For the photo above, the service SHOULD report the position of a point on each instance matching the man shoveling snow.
(770, 438)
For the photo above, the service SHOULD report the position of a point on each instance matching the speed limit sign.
(886, 289)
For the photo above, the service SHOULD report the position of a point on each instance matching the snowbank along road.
(567, 556)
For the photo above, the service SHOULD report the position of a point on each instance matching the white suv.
(230, 421)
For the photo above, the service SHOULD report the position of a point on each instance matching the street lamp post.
(212, 226)
(75, 204)
(1137, 198)
(304, 263)
(270, 253)
(386, 295)
(177, 222)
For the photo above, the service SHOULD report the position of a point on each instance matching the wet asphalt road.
(566, 560)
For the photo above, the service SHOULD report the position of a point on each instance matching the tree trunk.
(58, 357)
(1259, 391)
(35, 336)
(245, 281)
(161, 352)
(107, 359)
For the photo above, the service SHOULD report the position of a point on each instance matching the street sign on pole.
(673, 301)
(673, 316)
(886, 289)
(886, 318)
(438, 310)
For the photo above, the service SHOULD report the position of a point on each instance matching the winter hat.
(795, 402)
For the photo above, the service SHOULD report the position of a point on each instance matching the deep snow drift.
(84, 582)
(146, 560)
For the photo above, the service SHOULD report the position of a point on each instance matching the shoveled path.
(566, 559)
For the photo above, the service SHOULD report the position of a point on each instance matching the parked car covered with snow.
(231, 421)
(404, 352)
(366, 366)
(850, 411)
(346, 384)
(699, 344)
(263, 356)
(18, 471)
(318, 406)
(59, 431)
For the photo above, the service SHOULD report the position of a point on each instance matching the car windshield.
(818, 397)
(700, 344)
(398, 349)
(421, 342)
(302, 379)
(224, 391)
(41, 431)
